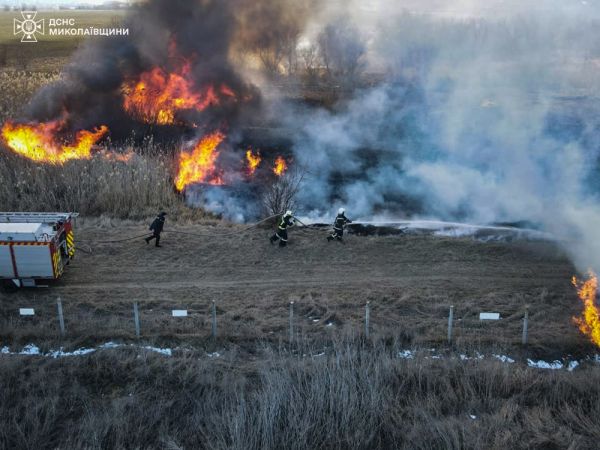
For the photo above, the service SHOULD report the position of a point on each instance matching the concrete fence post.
(367, 319)
(214, 320)
(291, 321)
(525, 326)
(136, 319)
(61, 319)
(450, 322)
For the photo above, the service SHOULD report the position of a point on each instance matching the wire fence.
(285, 321)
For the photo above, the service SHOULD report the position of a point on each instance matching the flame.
(124, 157)
(198, 166)
(589, 322)
(39, 142)
(157, 95)
(280, 166)
(253, 161)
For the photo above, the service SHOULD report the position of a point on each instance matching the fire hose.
(249, 227)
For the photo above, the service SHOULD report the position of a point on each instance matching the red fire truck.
(35, 246)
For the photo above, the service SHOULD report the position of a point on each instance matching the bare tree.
(342, 51)
(310, 61)
(281, 194)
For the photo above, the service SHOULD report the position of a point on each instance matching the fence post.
(214, 320)
(525, 326)
(450, 320)
(136, 318)
(367, 318)
(291, 321)
(61, 319)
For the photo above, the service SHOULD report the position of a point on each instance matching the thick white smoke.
(487, 114)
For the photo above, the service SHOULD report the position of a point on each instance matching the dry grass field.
(50, 53)
(410, 281)
(357, 397)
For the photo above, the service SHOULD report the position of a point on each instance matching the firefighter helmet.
(288, 213)
(341, 211)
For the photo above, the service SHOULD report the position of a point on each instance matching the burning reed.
(101, 184)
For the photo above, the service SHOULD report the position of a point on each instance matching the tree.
(342, 51)
(280, 195)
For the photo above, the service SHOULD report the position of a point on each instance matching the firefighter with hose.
(286, 221)
(338, 226)
(156, 227)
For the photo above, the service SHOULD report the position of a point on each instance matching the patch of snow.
(214, 355)
(319, 354)
(110, 345)
(464, 357)
(504, 358)
(5, 350)
(79, 352)
(554, 365)
(30, 349)
(315, 320)
(406, 354)
(162, 351)
(472, 416)
(330, 324)
(572, 365)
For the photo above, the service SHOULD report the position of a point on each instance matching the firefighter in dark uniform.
(156, 228)
(286, 221)
(338, 226)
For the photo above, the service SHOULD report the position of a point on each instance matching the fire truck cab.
(35, 246)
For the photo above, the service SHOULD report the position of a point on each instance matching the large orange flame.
(158, 95)
(253, 161)
(39, 142)
(198, 166)
(280, 166)
(589, 322)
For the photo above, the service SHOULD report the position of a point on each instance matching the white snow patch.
(572, 365)
(30, 349)
(504, 358)
(79, 352)
(162, 351)
(554, 365)
(406, 354)
(472, 416)
(5, 350)
(110, 345)
(214, 355)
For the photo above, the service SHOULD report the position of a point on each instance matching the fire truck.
(35, 247)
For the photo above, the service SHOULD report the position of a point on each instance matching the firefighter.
(287, 220)
(338, 226)
(156, 227)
